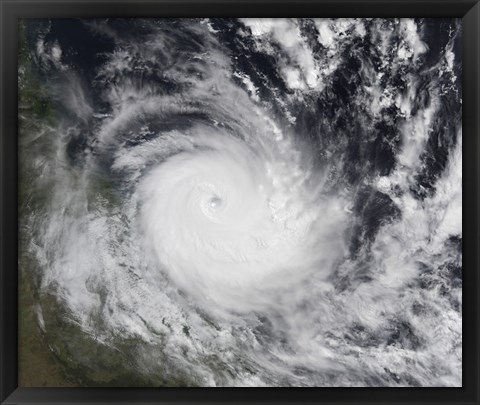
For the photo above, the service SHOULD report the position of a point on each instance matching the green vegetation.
(63, 355)
(32, 96)
(54, 351)
(35, 117)
(37, 364)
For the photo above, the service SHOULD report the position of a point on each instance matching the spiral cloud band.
(267, 202)
(245, 222)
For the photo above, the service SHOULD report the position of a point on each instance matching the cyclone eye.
(215, 202)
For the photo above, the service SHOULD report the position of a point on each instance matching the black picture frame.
(12, 10)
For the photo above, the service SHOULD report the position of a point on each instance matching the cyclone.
(244, 202)
(238, 219)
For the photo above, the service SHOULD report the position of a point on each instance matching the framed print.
(279, 198)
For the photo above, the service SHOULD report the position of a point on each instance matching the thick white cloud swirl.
(222, 218)
(227, 222)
